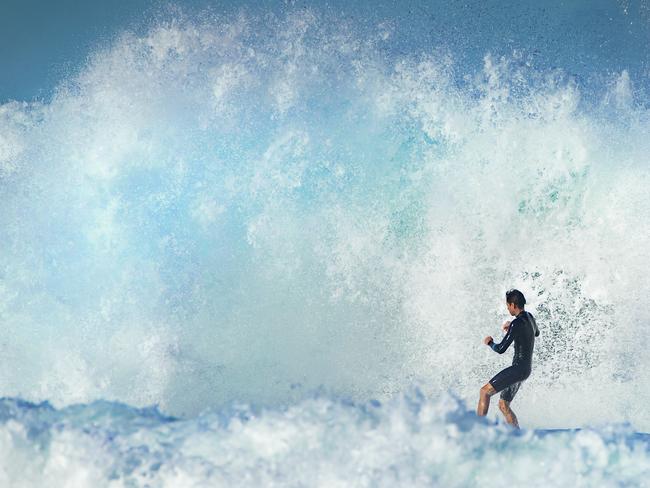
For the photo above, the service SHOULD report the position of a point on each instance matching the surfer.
(522, 330)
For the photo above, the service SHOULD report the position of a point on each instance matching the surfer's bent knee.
(488, 389)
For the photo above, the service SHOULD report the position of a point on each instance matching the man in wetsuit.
(522, 330)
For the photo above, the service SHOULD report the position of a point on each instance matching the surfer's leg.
(496, 384)
(484, 399)
(507, 395)
(510, 416)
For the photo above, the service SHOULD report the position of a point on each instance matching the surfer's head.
(515, 301)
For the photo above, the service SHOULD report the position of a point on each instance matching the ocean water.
(320, 441)
(246, 248)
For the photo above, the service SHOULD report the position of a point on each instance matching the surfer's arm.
(503, 345)
(534, 324)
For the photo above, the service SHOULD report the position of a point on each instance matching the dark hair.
(516, 297)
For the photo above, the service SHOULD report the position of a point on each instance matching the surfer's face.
(511, 308)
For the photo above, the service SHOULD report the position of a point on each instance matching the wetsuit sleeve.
(534, 324)
(507, 340)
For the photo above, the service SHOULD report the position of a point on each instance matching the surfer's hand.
(487, 340)
(505, 326)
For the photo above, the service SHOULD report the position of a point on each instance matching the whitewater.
(263, 249)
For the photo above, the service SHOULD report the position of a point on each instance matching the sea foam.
(321, 441)
(247, 207)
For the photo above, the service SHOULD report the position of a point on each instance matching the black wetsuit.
(523, 331)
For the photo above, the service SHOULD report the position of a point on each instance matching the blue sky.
(43, 42)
